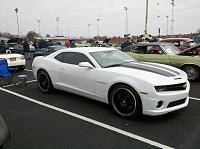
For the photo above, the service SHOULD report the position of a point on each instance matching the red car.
(181, 43)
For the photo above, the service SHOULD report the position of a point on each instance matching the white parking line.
(195, 98)
(117, 130)
(28, 70)
(18, 83)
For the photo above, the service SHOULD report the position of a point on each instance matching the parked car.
(80, 44)
(12, 47)
(166, 53)
(111, 76)
(14, 60)
(197, 39)
(48, 50)
(181, 43)
(4, 133)
(118, 45)
(193, 51)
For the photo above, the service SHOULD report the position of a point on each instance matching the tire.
(125, 101)
(44, 82)
(193, 72)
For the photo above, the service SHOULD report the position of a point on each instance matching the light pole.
(146, 17)
(57, 20)
(98, 28)
(126, 22)
(89, 30)
(16, 10)
(159, 29)
(38, 21)
(172, 21)
(167, 17)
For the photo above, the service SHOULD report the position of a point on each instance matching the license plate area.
(12, 59)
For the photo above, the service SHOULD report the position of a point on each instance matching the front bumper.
(171, 101)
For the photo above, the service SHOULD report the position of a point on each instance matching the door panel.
(156, 58)
(78, 78)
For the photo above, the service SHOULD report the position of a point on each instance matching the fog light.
(159, 104)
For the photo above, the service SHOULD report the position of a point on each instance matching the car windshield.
(111, 58)
(170, 49)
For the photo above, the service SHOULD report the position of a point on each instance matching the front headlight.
(21, 57)
(161, 88)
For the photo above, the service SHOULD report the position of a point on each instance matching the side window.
(154, 50)
(59, 57)
(182, 43)
(186, 44)
(73, 58)
(139, 50)
(176, 43)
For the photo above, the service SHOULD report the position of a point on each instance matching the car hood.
(151, 72)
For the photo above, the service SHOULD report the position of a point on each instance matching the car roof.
(176, 39)
(151, 44)
(87, 49)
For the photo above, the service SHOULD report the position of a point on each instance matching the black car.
(48, 50)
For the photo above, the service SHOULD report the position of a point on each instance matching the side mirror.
(86, 64)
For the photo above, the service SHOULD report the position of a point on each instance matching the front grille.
(176, 103)
(175, 87)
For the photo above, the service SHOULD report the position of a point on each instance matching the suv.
(181, 43)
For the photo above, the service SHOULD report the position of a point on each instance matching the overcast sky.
(75, 15)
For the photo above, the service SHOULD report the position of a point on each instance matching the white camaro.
(14, 60)
(109, 75)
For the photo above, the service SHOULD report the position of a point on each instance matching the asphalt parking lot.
(64, 120)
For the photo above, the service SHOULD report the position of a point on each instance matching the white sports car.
(14, 60)
(109, 75)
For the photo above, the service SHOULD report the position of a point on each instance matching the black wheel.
(44, 82)
(21, 68)
(125, 101)
(193, 72)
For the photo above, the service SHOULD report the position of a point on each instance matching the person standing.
(73, 45)
(26, 49)
(67, 44)
(127, 43)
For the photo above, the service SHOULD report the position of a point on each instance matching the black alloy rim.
(43, 82)
(191, 73)
(124, 101)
